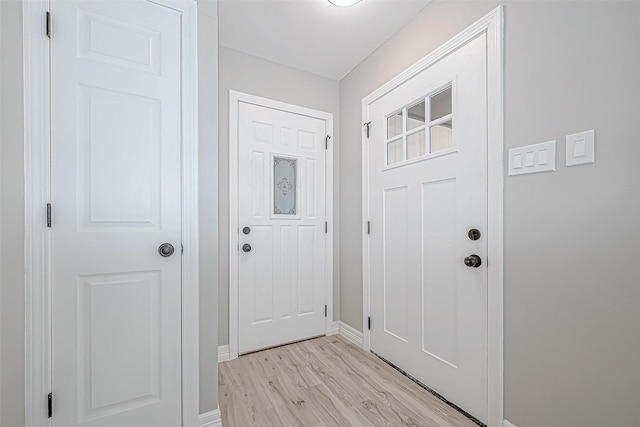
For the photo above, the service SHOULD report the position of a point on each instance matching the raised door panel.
(396, 262)
(119, 165)
(440, 260)
(119, 342)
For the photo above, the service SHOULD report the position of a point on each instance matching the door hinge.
(369, 323)
(367, 125)
(326, 227)
(181, 249)
(368, 227)
(325, 310)
(326, 142)
(48, 215)
(49, 405)
(48, 25)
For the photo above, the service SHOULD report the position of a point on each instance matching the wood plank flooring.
(325, 381)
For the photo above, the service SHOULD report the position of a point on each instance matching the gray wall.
(571, 285)
(11, 218)
(208, 201)
(255, 76)
(12, 213)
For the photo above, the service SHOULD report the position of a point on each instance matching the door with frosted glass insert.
(281, 217)
(115, 192)
(428, 190)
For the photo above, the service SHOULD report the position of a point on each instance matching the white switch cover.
(533, 158)
(581, 148)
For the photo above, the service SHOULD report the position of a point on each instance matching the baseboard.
(506, 423)
(351, 334)
(211, 418)
(335, 328)
(223, 353)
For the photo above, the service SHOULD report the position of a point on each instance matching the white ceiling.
(313, 35)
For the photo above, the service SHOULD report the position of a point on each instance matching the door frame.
(492, 25)
(37, 241)
(235, 98)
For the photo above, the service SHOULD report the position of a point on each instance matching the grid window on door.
(422, 128)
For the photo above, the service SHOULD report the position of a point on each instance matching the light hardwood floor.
(325, 381)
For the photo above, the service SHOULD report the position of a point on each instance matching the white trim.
(335, 328)
(36, 243)
(351, 334)
(37, 236)
(234, 100)
(223, 353)
(495, 168)
(1, 214)
(506, 423)
(210, 419)
(492, 25)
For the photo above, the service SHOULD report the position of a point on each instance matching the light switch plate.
(533, 158)
(581, 148)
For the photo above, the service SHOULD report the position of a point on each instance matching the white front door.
(428, 192)
(115, 191)
(282, 232)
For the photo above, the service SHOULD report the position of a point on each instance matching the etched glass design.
(285, 186)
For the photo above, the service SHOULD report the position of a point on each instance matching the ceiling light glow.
(344, 3)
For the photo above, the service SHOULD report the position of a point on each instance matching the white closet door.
(115, 174)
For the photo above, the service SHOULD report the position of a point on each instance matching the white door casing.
(281, 191)
(123, 344)
(413, 326)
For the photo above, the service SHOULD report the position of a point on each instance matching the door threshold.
(430, 390)
(281, 345)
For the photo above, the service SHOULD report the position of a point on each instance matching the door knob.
(246, 247)
(473, 261)
(165, 250)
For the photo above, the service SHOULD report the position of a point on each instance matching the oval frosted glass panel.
(415, 116)
(415, 145)
(394, 125)
(284, 186)
(440, 104)
(394, 152)
(441, 136)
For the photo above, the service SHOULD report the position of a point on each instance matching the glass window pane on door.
(394, 125)
(441, 136)
(415, 145)
(284, 186)
(394, 152)
(440, 104)
(415, 116)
